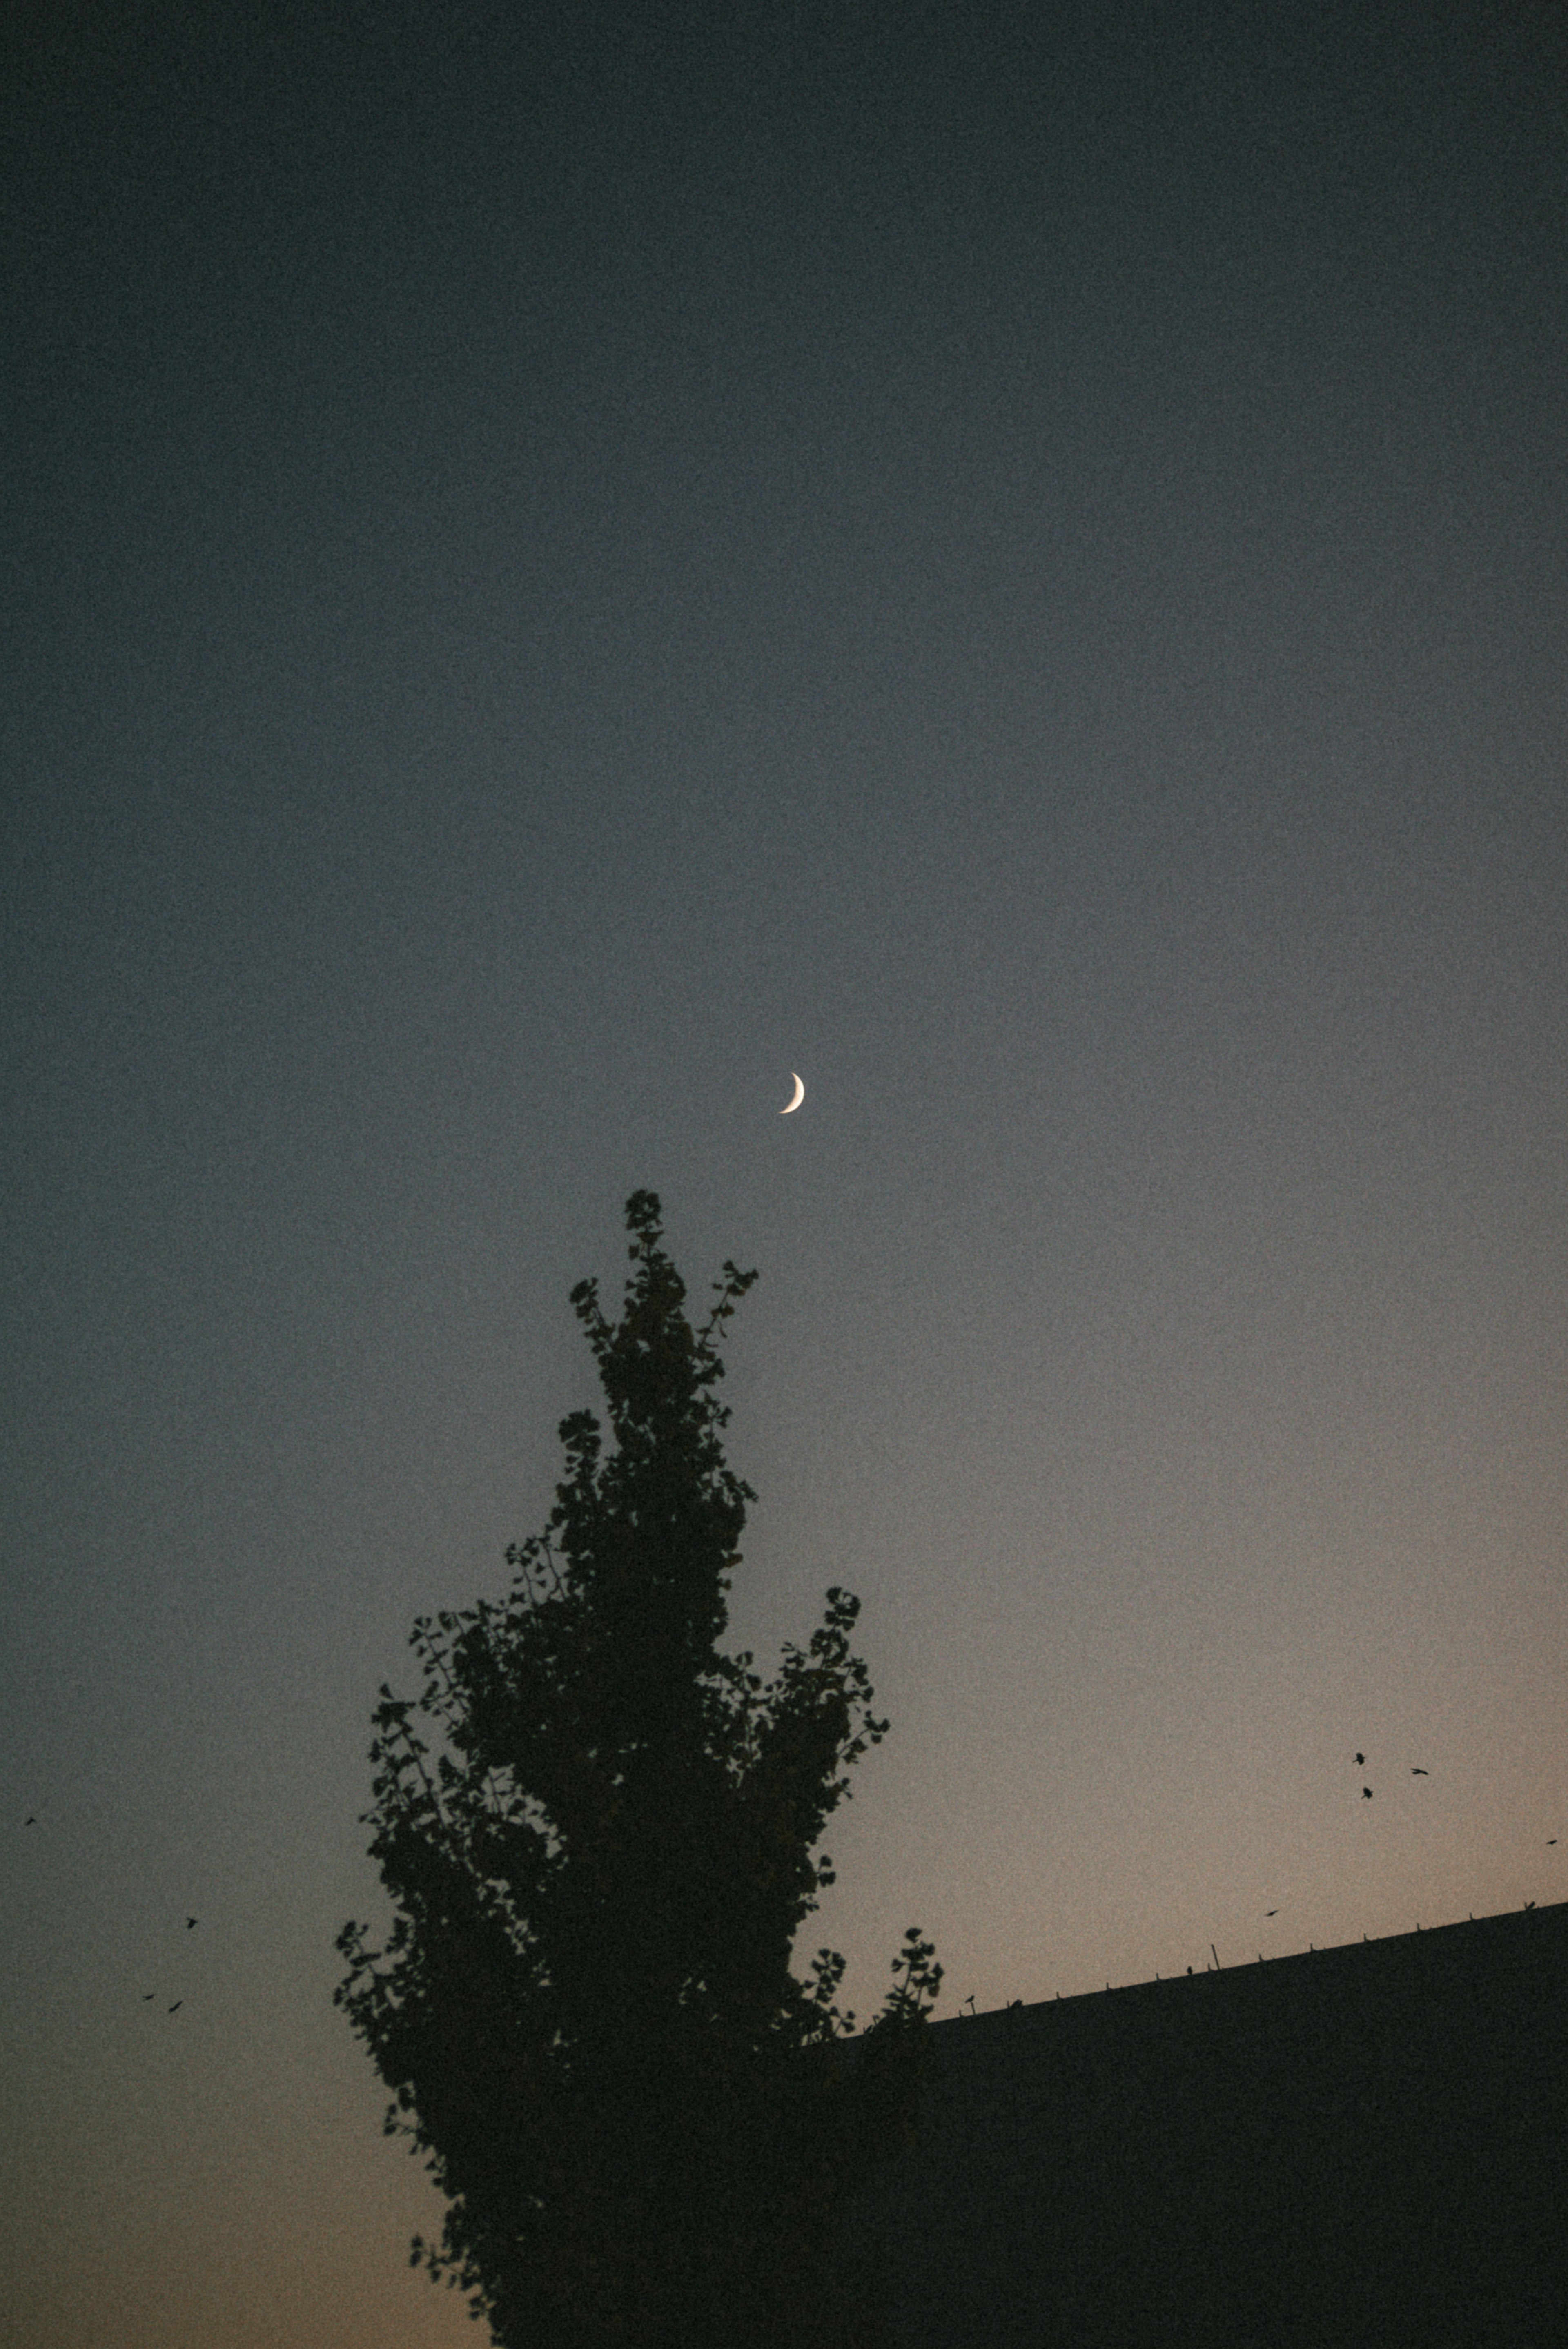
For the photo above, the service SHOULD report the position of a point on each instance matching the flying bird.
(30, 1822)
(1361, 1757)
(177, 2005)
(1550, 1839)
(1420, 1773)
(1367, 1794)
(147, 1994)
(188, 1922)
(1271, 1912)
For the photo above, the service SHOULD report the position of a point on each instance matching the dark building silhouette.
(1366, 2145)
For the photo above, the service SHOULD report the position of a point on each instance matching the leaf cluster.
(634, 2109)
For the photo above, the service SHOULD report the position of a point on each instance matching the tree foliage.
(643, 2122)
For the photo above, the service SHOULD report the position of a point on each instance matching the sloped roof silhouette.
(1172, 2161)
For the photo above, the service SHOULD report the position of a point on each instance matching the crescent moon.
(800, 1097)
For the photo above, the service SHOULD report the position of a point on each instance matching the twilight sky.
(561, 564)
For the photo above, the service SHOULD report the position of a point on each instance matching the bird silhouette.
(147, 1994)
(30, 1823)
(188, 1922)
(1550, 1839)
(1420, 1773)
(1271, 1912)
(1529, 1904)
(177, 2005)
(1361, 1757)
(1367, 1794)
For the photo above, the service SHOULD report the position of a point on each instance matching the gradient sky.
(563, 563)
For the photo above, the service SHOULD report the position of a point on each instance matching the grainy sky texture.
(561, 564)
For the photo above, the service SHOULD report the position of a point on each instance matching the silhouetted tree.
(644, 2123)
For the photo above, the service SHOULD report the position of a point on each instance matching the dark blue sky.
(562, 565)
